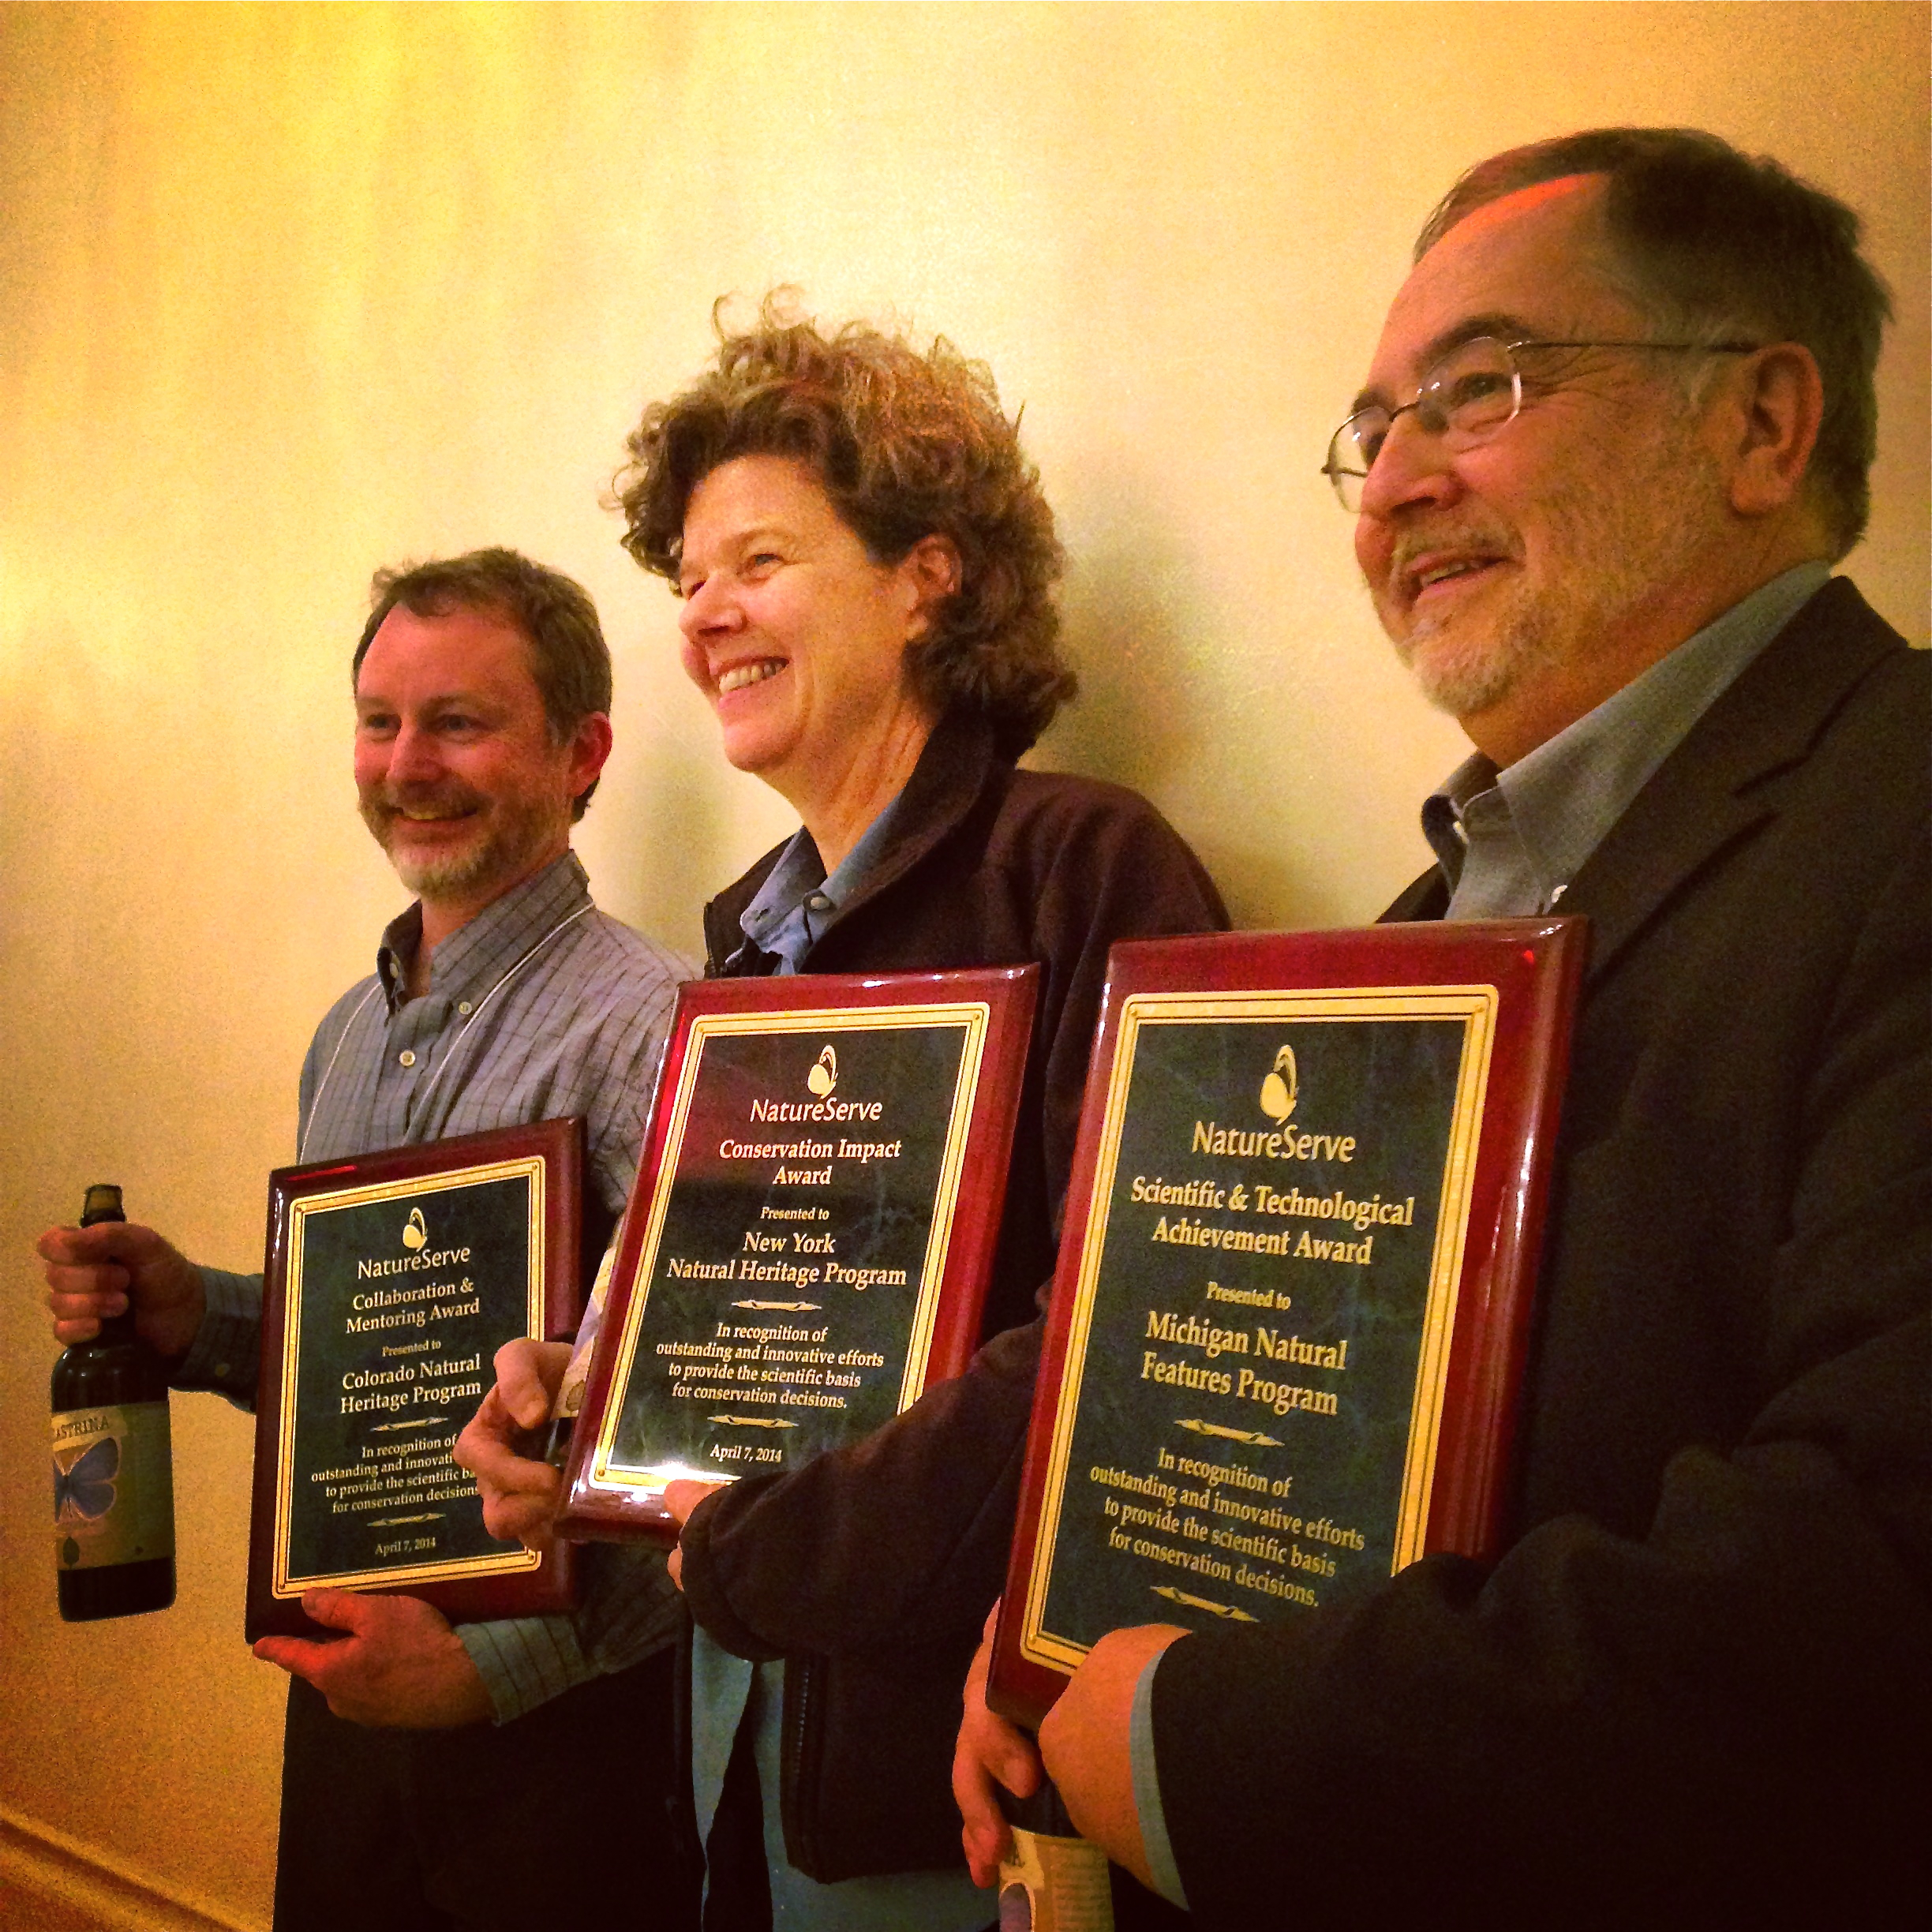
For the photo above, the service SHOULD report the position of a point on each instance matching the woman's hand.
(680, 1499)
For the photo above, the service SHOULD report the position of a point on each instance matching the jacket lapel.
(948, 777)
(1425, 898)
(1714, 789)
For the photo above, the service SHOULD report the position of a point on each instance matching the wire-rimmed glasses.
(1466, 397)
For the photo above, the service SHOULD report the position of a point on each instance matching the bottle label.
(114, 1485)
(570, 1395)
(1054, 1885)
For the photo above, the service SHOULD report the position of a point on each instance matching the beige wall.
(285, 292)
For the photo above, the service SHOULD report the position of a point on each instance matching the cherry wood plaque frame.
(1459, 1217)
(521, 1186)
(614, 1480)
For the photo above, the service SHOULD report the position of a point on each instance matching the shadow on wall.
(687, 857)
(1266, 888)
(1136, 623)
(1129, 608)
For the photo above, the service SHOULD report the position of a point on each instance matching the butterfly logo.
(1278, 1089)
(414, 1233)
(824, 1075)
(85, 1486)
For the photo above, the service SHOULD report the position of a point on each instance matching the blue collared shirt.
(798, 902)
(790, 912)
(1509, 842)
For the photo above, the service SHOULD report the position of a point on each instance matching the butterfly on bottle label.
(85, 1486)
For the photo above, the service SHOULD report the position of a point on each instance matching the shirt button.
(405, 1058)
(463, 1006)
(819, 903)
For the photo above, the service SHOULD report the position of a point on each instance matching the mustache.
(1414, 543)
(447, 798)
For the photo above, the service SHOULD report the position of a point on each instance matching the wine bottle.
(114, 1478)
(1052, 1880)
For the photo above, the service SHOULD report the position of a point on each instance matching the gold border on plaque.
(1476, 1007)
(974, 1017)
(282, 1584)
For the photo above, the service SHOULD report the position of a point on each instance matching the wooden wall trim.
(49, 1863)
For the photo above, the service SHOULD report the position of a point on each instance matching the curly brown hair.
(906, 446)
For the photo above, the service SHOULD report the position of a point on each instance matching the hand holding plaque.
(809, 1243)
(1294, 1290)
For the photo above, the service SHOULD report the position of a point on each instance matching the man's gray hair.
(1713, 244)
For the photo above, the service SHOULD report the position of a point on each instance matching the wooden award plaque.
(1293, 1299)
(809, 1240)
(391, 1282)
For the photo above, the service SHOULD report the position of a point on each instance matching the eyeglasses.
(1466, 397)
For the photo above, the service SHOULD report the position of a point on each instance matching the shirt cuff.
(629, 1611)
(225, 1354)
(525, 1661)
(1153, 1839)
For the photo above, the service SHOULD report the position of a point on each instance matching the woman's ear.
(931, 571)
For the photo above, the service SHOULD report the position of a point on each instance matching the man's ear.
(589, 745)
(931, 571)
(1778, 399)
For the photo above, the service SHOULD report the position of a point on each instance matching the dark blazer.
(1697, 1691)
(870, 1570)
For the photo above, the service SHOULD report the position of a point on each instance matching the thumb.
(523, 1388)
(336, 1609)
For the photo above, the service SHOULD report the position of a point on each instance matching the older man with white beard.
(503, 996)
(1615, 434)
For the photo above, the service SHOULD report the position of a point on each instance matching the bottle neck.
(1045, 1812)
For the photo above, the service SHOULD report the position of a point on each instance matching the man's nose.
(1412, 466)
(413, 755)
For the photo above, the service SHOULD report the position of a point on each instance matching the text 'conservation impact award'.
(391, 1281)
(809, 1243)
(1294, 1290)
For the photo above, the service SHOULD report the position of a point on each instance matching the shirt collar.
(798, 902)
(481, 950)
(1563, 797)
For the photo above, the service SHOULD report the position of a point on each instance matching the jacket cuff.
(709, 1609)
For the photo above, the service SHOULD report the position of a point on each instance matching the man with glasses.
(1615, 433)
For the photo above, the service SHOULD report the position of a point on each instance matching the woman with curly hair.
(866, 569)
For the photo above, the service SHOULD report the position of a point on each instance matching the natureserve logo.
(821, 1079)
(1280, 1090)
(419, 1255)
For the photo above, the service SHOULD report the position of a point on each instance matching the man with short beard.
(1614, 435)
(501, 996)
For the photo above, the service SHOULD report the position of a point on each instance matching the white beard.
(1602, 556)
